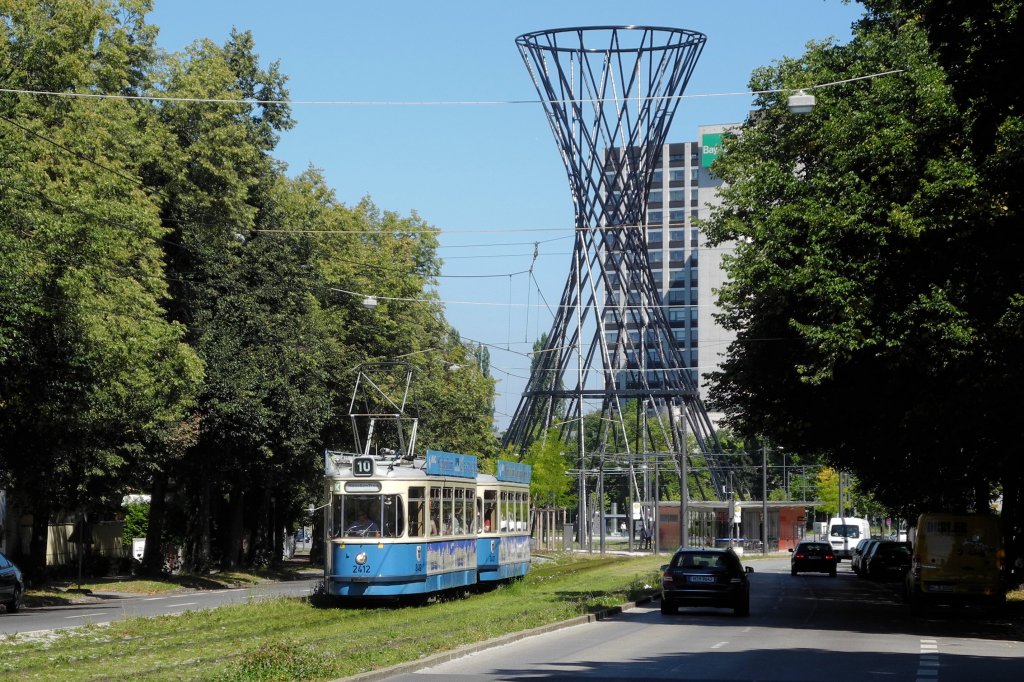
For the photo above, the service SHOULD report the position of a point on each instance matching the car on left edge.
(12, 585)
(706, 577)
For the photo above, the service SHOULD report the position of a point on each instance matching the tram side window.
(521, 512)
(447, 510)
(337, 515)
(470, 512)
(505, 510)
(392, 516)
(460, 511)
(490, 512)
(435, 511)
(417, 508)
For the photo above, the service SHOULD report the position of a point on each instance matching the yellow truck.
(956, 558)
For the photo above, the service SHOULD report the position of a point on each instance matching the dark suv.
(887, 560)
(706, 577)
(12, 586)
(813, 557)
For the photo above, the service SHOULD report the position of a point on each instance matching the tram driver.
(363, 526)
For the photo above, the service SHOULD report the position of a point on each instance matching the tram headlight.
(361, 558)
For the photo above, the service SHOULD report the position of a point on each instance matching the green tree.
(94, 378)
(978, 47)
(863, 328)
(550, 458)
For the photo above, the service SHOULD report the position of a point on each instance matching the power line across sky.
(470, 169)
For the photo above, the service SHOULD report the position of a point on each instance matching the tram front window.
(367, 516)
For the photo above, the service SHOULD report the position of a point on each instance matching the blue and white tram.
(397, 528)
(503, 504)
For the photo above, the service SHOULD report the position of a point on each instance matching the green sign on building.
(710, 148)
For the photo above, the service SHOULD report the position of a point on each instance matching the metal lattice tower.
(610, 94)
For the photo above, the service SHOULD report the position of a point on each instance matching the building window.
(654, 257)
(677, 237)
(656, 274)
(654, 217)
(693, 176)
(655, 196)
(677, 175)
(677, 216)
(677, 195)
(657, 176)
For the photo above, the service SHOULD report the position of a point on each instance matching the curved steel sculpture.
(610, 93)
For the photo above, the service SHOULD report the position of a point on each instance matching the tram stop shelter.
(710, 526)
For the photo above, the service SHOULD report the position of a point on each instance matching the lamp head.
(800, 103)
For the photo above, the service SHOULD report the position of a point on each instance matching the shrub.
(136, 522)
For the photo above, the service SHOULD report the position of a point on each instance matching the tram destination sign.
(513, 472)
(441, 463)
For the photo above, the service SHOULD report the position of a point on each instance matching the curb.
(445, 656)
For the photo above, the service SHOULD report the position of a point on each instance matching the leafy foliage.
(169, 309)
(876, 281)
(136, 522)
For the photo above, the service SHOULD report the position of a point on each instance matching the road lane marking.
(719, 645)
(154, 598)
(928, 661)
(86, 615)
(188, 603)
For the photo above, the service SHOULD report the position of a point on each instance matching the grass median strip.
(276, 639)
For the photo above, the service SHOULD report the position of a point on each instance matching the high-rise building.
(686, 271)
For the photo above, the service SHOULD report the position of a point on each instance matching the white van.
(844, 532)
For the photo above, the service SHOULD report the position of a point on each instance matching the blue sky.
(488, 175)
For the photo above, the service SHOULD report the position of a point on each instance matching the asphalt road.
(805, 628)
(110, 607)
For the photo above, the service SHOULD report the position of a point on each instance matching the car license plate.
(702, 578)
(938, 588)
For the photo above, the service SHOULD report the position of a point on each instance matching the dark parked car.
(860, 552)
(888, 561)
(12, 585)
(706, 577)
(813, 557)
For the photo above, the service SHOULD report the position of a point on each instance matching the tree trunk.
(153, 555)
(316, 540)
(276, 535)
(199, 531)
(1011, 523)
(233, 541)
(36, 567)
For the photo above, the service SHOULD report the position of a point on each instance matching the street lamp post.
(764, 499)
